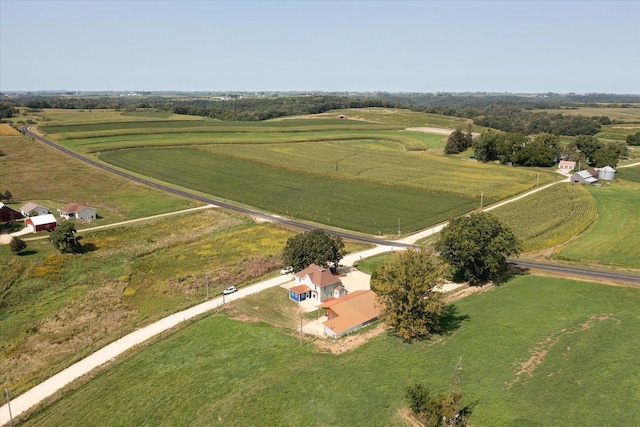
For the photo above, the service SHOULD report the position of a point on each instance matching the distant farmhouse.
(33, 209)
(78, 211)
(566, 165)
(350, 312)
(317, 283)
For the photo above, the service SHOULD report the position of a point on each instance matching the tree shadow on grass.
(27, 253)
(87, 247)
(451, 320)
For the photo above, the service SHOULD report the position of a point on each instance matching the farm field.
(613, 238)
(549, 217)
(361, 206)
(627, 114)
(569, 347)
(58, 308)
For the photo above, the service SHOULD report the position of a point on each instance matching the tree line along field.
(565, 356)
(345, 168)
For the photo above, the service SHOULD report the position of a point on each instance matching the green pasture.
(57, 308)
(549, 217)
(345, 203)
(614, 237)
(52, 116)
(535, 352)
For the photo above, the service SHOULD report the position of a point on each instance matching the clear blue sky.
(410, 46)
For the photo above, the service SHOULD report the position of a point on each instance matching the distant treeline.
(509, 113)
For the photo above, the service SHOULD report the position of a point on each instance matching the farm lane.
(257, 214)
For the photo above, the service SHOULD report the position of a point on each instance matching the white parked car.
(286, 270)
(230, 290)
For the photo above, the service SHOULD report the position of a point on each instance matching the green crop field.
(535, 351)
(626, 114)
(629, 174)
(614, 237)
(549, 217)
(349, 204)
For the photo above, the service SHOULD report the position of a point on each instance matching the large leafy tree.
(486, 146)
(458, 141)
(542, 150)
(17, 245)
(64, 239)
(633, 139)
(477, 246)
(405, 290)
(313, 247)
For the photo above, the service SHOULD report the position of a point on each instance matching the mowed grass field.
(615, 235)
(550, 217)
(535, 351)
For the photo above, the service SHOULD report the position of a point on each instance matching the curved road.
(273, 218)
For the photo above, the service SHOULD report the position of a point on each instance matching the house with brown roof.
(78, 211)
(317, 283)
(349, 313)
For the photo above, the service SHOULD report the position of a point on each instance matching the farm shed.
(607, 173)
(33, 209)
(8, 214)
(583, 177)
(349, 313)
(41, 223)
(78, 211)
(321, 282)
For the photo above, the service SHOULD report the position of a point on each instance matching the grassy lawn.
(535, 351)
(549, 217)
(614, 237)
(349, 204)
(371, 264)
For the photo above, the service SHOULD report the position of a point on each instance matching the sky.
(355, 46)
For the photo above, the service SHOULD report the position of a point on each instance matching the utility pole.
(538, 180)
(206, 281)
(481, 198)
(398, 228)
(301, 329)
(9, 406)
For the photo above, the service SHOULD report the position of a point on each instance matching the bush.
(18, 245)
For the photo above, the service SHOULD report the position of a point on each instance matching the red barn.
(41, 223)
(9, 215)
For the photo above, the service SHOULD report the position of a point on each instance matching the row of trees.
(545, 149)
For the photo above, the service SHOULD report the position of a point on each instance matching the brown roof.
(351, 310)
(319, 276)
(300, 289)
(73, 207)
(593, 172)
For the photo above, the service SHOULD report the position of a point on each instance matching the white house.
(78, 211)
(33, 209)
(317, 283)
(566, 165)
